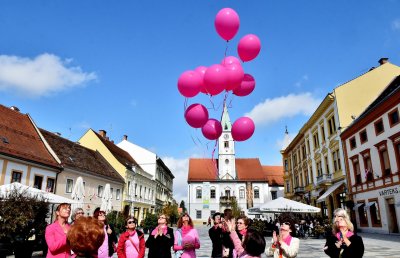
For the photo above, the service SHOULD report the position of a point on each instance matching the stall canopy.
(284, 205)
(33, 192)
(329, 191)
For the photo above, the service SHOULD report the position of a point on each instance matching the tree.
(236, 211)
(171, 209)
(182, 205)
(21, 217)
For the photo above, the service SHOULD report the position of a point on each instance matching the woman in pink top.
(131, 243)
(106, 250)
(186, 237)
(56, 233)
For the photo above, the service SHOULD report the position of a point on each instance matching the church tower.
(226, 149)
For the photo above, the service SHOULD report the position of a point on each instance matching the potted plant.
(150, 222)
(23, 220)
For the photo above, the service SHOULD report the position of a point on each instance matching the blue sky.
(74, 65)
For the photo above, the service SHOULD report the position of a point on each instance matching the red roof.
(206, 170)
(19, 138)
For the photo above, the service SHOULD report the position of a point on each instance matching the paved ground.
(376, 245)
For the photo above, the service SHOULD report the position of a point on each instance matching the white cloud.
(300, 82)
(283, 143)
(272, 110)
(396, 24)
(42, 75)
(180, 168)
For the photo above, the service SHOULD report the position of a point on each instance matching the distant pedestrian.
(186, 237)
(56, 233)
(85, 237)
(161, 239)
(215, 234)
(343, 243)
(209, 221)
(284, 245)
(131, 243)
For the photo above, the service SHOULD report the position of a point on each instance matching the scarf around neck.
(155, 231)
(186, 229)
(348, 234)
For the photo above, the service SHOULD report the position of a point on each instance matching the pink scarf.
(287, 241)
(348, 234)
(243, 232)
(186, 229)
(155, 231)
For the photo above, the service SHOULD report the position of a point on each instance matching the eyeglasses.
(102, 214)
(81, 213)
(162, 217)
(286, 223)
(239, 223)
(131, 222)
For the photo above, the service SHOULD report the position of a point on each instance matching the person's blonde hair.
(342, 213)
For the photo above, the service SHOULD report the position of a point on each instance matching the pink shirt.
(188, 236)
(56, 240)
(103, 250)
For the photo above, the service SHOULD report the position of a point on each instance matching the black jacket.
(355, 250)
(160, 247)
(216, 239)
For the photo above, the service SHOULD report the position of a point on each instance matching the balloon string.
(226, 48)
(214, 160)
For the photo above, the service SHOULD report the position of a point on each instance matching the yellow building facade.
(314, 168)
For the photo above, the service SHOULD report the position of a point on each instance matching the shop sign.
(390, 191)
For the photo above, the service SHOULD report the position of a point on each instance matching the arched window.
(228, 191)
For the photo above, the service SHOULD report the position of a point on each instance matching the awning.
(369, 205)
(358, 205)
(329, 191)
(315, 193)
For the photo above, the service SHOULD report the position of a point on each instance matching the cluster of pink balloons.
(226, 76)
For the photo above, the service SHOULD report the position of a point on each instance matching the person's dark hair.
(288, 217)
(245, 219)
(215, 215)
(254, 243)
(86, 236)
(130, 218)
(97, 212)
(228, 215)
(180, 221)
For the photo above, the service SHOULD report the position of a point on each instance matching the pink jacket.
(190, 237)
(56, 240)
(238, 246)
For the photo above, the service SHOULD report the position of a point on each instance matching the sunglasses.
(239, 223)
(162, 217)
(286, 223)
(131, 222)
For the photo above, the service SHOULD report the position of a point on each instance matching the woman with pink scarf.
(284, 245)
(344, 242)
(242, 224)
(161, 239)
(186, 238)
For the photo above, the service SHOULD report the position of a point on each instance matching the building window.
(100, 191)
(118, 194)
(226, 161)
(307, 178)
(323, 133)
(362, 214)
(332, 125)
(394, 117)
(319, 168)
(353, 143)
(375, 213)
(212, 193)
(316, 141)
(69, 186)
(327, 165)
(241, 193)
(308, 146)
(16, 177)
(198, 193)
(379, 127)
(257, 216)
(50, 185)
(228, 192)
(287, 186)
(256, 193)
(286, 165)
(226, 144)
(111, 191)
(363, 136)
(274, 195)
(198, 214)
(385, 162)
(356, 170)
(38, 182)
(212, 212)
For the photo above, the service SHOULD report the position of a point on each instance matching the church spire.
(226, 149)
(226, 121)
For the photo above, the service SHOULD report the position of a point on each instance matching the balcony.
(226, 200)
(323, 179)
(299, 190)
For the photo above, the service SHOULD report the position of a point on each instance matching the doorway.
(392, 217)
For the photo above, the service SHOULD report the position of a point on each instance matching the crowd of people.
(93, 237)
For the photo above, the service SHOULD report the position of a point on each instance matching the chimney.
(15, 108)
(103, 133)
(125, 137)
(383, 60)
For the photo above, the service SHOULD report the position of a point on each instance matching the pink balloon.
(196, 115)
(242, 129)
(235, 76)
(246, 87)
(230, 60)
(227, 23)
(189, 83)
(215, 79)
(212, 130)
(202, 70)
(249, 47)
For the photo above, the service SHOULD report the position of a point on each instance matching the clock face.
(226, 136)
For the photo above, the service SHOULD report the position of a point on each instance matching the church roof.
(206, 170)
